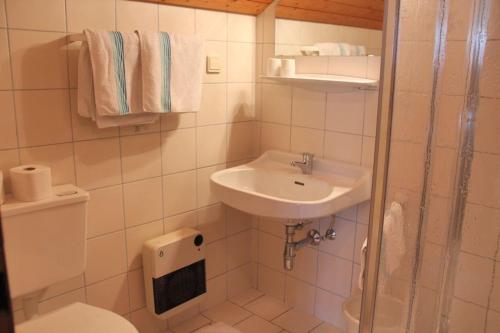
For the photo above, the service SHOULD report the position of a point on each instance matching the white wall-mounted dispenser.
(174, 272)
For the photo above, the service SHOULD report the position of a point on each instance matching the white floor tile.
(191, 324)
(246, 297)
(296, 321)
(327, 328)
(256, 324)
(228, 313)
(267, 307)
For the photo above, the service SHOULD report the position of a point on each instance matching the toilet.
(388, 317)
(77, 318)
(45, 243)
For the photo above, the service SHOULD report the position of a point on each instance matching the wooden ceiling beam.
(371, 4)
(250, 7)
(357, 13)
(335, 7)
(328, 18)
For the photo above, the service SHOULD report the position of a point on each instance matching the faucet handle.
(306, 164)
(307, 156)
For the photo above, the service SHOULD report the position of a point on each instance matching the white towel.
(357, 50)
(328, 49)
(394, 245)
(362, 259)
(361, 50)
(85, 94)
(345, 49)
(112, 93)
(172, 68)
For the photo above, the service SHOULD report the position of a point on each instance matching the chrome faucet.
(306, 165)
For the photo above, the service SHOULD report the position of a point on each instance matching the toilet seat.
(217, 328)
(77, 318)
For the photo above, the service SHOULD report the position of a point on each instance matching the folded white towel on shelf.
(358, 50)
(345, 49)
(112, 94)
(339, 49)
(172, 67)
(361, 50)
(328, 49)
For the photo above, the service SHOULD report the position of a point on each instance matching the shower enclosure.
(439, 148)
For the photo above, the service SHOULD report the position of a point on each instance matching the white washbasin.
(269, 186)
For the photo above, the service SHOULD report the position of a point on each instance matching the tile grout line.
(125, 238)
(68, 95)
(317, 287)
(492, 281)
(12, 84)
(162, 168)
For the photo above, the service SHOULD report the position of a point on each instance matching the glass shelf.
(327, 82)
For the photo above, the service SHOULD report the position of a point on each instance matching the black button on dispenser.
(198, 240)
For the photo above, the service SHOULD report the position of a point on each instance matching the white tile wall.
(479, 258)
(332, 124)
(143, 182)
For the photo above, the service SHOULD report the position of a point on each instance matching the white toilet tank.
(44, 241)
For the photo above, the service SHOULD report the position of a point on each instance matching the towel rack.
(76, 38)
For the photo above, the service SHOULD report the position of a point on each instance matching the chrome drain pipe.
(291, 246)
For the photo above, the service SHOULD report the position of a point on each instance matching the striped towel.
(358, 50)
(176, 87)
(116, 79)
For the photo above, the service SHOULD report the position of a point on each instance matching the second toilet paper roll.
(31, 182)
(273, 67)
(287, 67)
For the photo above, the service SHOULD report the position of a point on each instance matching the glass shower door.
(445, 162)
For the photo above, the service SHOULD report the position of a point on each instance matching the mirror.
(329, 27)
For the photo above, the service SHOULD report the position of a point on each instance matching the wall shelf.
(327, 82)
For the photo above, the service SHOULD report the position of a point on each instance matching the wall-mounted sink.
(269, 186)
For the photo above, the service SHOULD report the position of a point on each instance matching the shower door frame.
(381, 163)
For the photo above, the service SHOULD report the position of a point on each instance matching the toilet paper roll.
(2, 191)
(31, 182)
(287, 67)
(273, 67)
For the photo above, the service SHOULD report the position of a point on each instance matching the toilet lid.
(77, 318)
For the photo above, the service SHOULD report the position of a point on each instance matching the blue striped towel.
(117, 78)
(172, 68)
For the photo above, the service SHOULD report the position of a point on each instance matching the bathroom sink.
(269, 186)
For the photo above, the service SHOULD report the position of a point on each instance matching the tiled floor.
(254, 312)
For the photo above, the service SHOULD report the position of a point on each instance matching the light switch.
(213, 64)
